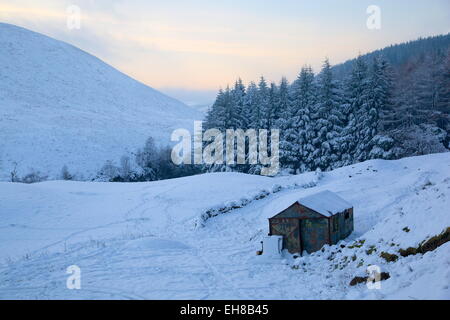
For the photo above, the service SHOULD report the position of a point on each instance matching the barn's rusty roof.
(326, 203)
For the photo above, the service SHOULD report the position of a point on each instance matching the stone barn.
(313, 221)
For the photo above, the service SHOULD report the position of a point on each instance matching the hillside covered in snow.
(196, 237)
(62, 106)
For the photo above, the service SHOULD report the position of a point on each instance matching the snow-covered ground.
(62, 106)
(155, 240)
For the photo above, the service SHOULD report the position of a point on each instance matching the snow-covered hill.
(179, 238)
(61, 106)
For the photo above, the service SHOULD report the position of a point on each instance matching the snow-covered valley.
(154, 241)
(62, 106)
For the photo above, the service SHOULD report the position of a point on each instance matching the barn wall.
(342, 224)
(314, 233)
(348, 224)
(289, 228)
(345, 225)
(334, 229)
(291, 212)
(306, 213)
(298, 211)
(340, 227)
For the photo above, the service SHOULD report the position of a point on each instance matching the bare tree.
(14, 174)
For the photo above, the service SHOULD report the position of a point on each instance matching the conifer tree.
(380, 87)
(262, 117)
(296, 142)
(252, 108)
(237, 119)
(328, 115)
(356, 110)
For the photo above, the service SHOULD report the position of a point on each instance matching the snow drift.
(140, 240)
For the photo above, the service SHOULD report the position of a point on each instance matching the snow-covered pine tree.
(226, 113)
(259, 100)
(229, 112)
(263, 105)
(358, 113)
(284, 102)
(289, 128)
(214, 116)
(304, 100)
(296, 131)
(237, 119)
(274, 107)
(380, 90)
(252, 109)
(329, 119)
(222, 114)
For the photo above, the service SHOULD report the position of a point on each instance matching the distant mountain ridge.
(399, 54)
(62, 106)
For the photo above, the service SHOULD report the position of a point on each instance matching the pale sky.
(190, 49)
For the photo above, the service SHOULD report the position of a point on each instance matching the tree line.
(389, 104)
(149, 163)
(374, 112)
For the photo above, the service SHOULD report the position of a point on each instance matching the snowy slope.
(60, 105)
(143, 241)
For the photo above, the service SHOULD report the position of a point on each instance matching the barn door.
(314, 233)
(290, 230)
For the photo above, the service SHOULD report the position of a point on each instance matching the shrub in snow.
(262, 195)
(420, 140)
(276, 188)
(125, 169)
(389, 257)
(65, 174)
(383, 148)
(108, 171)
(33, 177)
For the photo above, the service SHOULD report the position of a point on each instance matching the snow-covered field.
(62, 106)
(152, 240)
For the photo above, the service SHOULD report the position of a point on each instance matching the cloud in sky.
(203, 45)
